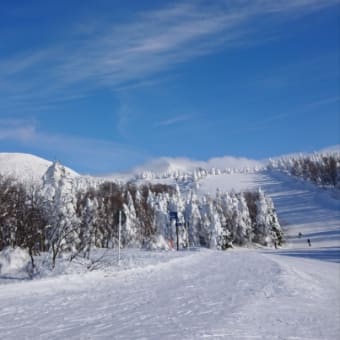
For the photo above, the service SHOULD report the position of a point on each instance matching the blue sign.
(173, 215)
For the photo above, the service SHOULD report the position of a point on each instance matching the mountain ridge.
(31, 167)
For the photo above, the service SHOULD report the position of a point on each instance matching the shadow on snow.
(329, 254)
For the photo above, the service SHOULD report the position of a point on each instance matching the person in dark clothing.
(309, 242)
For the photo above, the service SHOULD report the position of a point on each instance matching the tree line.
(60, 217)
(320, 169)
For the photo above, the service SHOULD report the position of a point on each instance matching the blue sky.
(106, 85)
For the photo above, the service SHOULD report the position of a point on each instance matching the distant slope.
(25, 167)
(301, 206)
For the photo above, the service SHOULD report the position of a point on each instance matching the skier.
(309, 242)
(300, 235)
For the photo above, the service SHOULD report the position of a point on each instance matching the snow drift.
(14, 261)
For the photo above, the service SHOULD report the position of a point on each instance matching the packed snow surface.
(228, 182)
(288, 293)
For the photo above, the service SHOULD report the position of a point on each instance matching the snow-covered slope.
(199, 295)
(288, 293)
(228, 182)
(301, 206)
(25, 167)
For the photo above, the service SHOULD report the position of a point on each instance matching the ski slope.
(301, 206)
(290, 293)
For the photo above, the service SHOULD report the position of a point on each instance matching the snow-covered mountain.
(225, 173)
(26, 167)
(166, 170)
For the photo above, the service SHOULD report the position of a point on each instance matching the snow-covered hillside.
(290, 293)
(25, 167)
(71, 216)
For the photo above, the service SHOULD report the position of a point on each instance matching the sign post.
(174, 217)
(119, 232)
(177, 236)
(187, 232)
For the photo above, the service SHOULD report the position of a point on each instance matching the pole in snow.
(187, 229)
(177, 235)
(174, 217)
(119, 232)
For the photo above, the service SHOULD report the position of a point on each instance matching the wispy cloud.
(304, 110)
(121, 54)
(125, 116)
(93, 155)
(17, 129)
(174, 120)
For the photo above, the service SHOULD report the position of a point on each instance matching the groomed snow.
(206, 294)
(289, 293)
(228, 182)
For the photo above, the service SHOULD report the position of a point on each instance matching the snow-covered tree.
(130, 230)
(87, 212)
(63, 229)
(242, 226)
(267, 228)
(193, 219)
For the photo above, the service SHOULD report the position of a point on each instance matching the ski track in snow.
(304, 208)
(290, 293)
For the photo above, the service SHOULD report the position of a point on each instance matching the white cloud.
(331, 149)
(169, 164)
